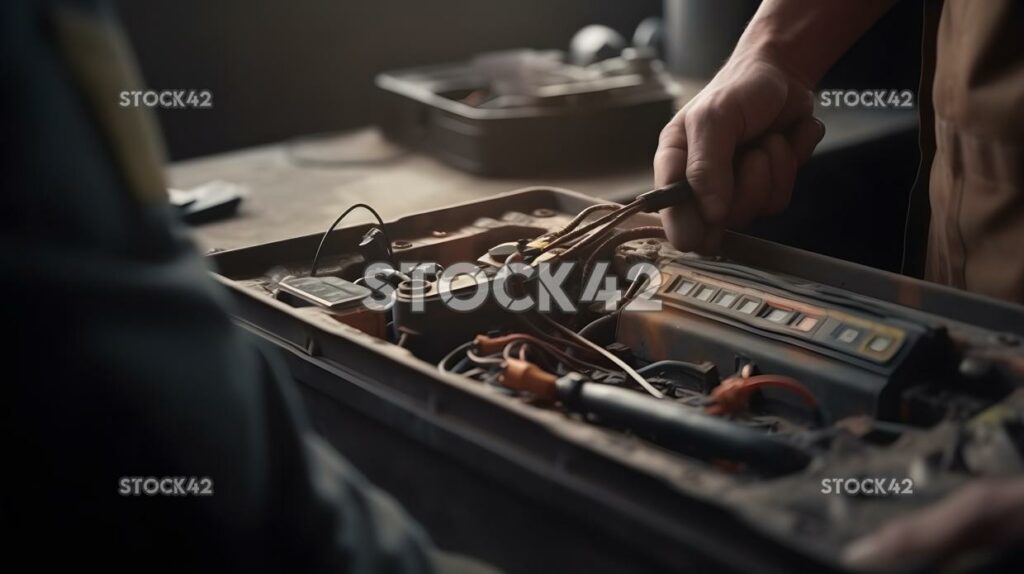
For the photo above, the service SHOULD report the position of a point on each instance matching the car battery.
(912, 381)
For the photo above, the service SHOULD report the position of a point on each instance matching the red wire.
(734, 393)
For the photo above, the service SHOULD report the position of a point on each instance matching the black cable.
(323, 240)
(442, 365)
(681, 428)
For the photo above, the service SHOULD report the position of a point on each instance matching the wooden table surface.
(287, 198)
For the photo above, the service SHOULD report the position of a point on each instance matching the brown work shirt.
(976, 189)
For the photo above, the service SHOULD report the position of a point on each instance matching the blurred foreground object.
(132, 372)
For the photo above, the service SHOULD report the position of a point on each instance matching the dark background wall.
(278, 69)
(282, 69)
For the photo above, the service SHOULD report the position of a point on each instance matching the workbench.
(288, 198)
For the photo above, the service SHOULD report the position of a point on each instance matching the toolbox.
(535, 490)
(607, 120)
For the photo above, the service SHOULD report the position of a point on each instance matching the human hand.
(984, 514)
(738, 143)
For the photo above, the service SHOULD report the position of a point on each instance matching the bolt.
(401, 244)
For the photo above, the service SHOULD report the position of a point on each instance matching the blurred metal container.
(700, 34)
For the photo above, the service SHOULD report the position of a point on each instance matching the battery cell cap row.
(835, 329)
(852, 335)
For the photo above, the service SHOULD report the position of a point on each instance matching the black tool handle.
(681, 428)
(672, 194)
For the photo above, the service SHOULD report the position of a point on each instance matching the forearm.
(806, 37)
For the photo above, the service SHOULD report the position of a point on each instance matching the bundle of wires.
(576, 238)
(554, 346)
(559, 352)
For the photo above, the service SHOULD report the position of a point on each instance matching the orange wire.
(734, 394)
